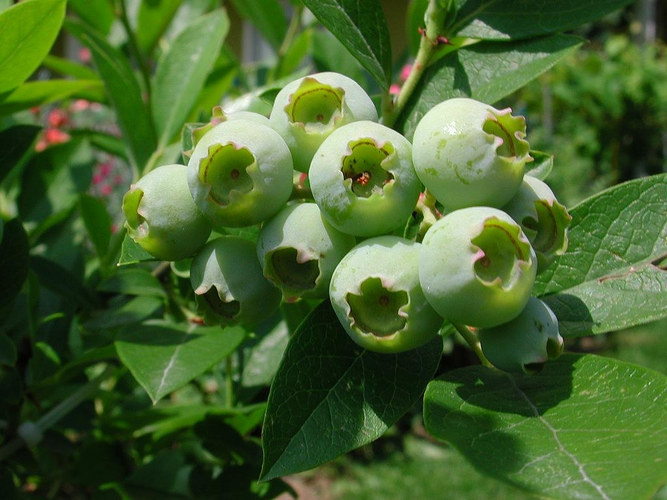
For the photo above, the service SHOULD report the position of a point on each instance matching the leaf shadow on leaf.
(574, 317)
(478, 410)
(156, 336)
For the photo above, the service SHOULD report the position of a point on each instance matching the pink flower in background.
(394, 89)
(57, 118)
(405, 72)
(84, 55)
(52, 136)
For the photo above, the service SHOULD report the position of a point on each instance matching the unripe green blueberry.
(525, 343)
(363, 180)
(477, 267)
(299, 250)
(377, 297)
(542, 218)
(162, 216)
(308, 109)
(229, 285)
(468, 153)
(240, 173)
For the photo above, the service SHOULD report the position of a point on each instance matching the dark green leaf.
(132, 281)
(67, 67)
(609, 278)
(124, 92)
(153, 19)
(329, 54)
(97, 221)
(331, 396)
(16, 144)
(13, 260)
(61, 281)
(124, 313)
(132, 253)
(505, 19)
(362, 28)
(486, 71)
(541, 165)
(97, 13)
(267, 16)
(27, 32)
(584, 427)
(164, 356)
(7, 350)
(182, 71)
(38, 93)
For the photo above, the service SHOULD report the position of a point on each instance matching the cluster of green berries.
(402, 237)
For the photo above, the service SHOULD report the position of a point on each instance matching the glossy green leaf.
(14, 249)
(97, 221)
(267, 16)
(362, 28)
(124, 92)
(541, 165)
(97, 13)
(331, 396)
(182, 71)
(122, 313)
(584, 427)
(27, 32)
(609, 278)
(505, 19)
(38, 93)
(17, 142)
(165, 356)
(486, 71)
(153, 19)
(132, 253)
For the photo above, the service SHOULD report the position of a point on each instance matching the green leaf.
(505, 19)
(267, 16)
(17, 142)
(182, 71)
(362, 28)
(122, 313)
(133, 281)
(97, 221)
(609, 277)
(486, 71)
(153, 19)
(331, 396)
(124, 92)
(541, 165)
(165, 356)
(41, 92)
(97, 13)
(27, 32)
(584, 427)
(67, 67)
(132, 253)
(14, 249)
(61, 281)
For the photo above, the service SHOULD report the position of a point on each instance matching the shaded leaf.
(609, 278)
(16, 144)
(27, 32)
(14, 249)
(132, 253)
(153, 19)
(584, 427)
(124, 92)
(165, 356)
(97, 221)
(541, 165)
(486, 71)
(362, 29)
(125, 312)
(67, 67)
(505, 19)
(38, 93)
(267, 16)
(97, 13)
(331, 396)
(132, 281)
(61, 281)
(182, 71)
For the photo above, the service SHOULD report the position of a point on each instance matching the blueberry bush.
(253, 269)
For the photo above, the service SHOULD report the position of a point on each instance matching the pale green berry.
(376, 295)
(299, 250)
(468, 153)
(525, 343)
(476, 267)
(161, 215)
(363, 180)
(308, 109)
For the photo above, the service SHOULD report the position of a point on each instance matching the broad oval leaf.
(610, 278)
(362, 28)
(584, 427)
(181, 72)
(505, 19)
(331, 396)
(165, 356)
(153, 18)
(27, 32)
(40, 92)
(486, 71)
